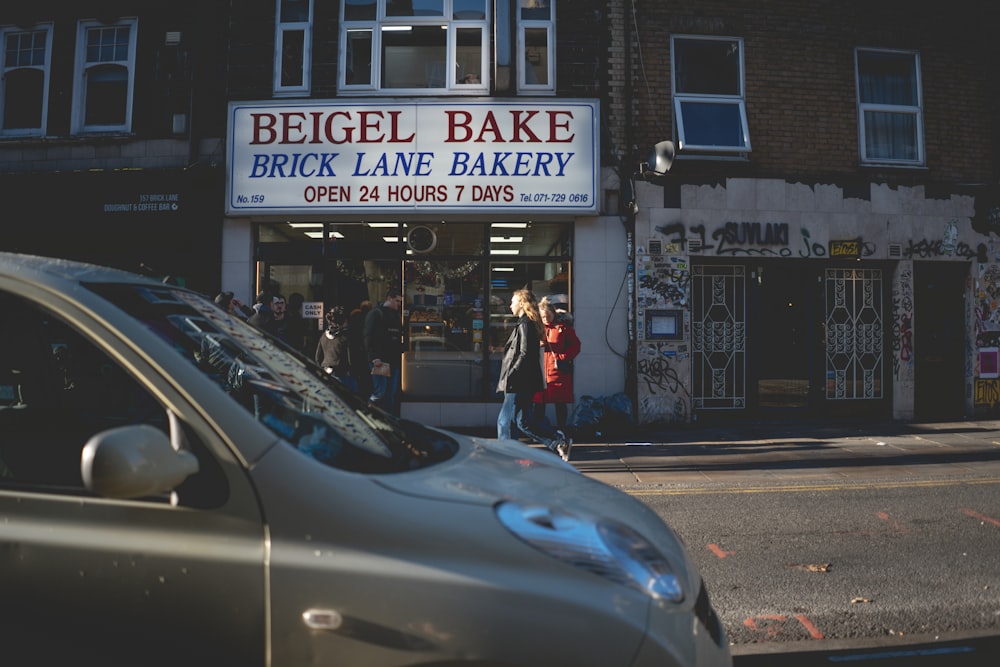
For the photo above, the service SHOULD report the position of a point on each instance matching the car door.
(167, 580)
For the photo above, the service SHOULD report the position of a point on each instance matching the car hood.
(486, 472)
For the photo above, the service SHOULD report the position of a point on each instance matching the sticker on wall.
(950, 241)
(989, 362)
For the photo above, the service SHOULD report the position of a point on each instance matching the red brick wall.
(800, 83)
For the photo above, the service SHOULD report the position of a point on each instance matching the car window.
(282, 389)
(57, 389)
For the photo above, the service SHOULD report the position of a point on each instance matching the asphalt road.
(869, 544)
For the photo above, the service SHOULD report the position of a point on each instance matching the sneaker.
(563, 446)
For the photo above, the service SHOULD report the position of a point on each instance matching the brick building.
(472, 158)
(111, 134)
(823, 245)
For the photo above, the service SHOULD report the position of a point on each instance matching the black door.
(783, 344)
(938, 339)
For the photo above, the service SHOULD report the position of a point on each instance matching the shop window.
(27, 55)
(458, 307)
(535, 30)
(708, 94)
(105, 74)
(890, 109)
(293, 47)
(445, 308)
(414, 47)
(457, 279)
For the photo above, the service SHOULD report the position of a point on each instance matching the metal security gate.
(855, 334)
(718, 337)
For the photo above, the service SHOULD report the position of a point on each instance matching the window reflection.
(415, 57)
(457, 279)
(458, 309)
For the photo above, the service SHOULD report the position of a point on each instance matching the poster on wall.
(423, 156)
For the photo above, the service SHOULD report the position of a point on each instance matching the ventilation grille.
(895, 250)
(694, 245)
(655, 247)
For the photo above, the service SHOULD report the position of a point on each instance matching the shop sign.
(425, 156)
(312, 310)
(146, 202)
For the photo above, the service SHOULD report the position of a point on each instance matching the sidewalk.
(785, 453)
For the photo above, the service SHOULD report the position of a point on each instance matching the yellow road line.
(799, 488)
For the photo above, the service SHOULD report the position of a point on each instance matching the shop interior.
(457, 280)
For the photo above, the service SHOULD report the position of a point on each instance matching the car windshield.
(282, 389)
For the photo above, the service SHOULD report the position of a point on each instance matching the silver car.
(177, 489)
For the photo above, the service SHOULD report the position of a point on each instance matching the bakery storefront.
(458, 204)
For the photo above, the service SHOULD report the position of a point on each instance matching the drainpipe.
(627, 198)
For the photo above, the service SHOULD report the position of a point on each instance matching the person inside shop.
(333, 349)
(275, 322)
(356, 338)
(261, 309)
(561, 347)
(521, 378)
(297, 328)
(383, 336)
(229, 303)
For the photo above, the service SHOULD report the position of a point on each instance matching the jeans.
(518, 408)
(385, 390)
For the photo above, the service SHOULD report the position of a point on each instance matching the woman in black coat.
(521, 377)
(332, 350)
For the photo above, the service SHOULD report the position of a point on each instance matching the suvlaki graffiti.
(751, 239)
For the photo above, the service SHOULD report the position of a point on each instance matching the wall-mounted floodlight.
(658, 161)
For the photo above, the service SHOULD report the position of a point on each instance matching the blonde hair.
(527, 299)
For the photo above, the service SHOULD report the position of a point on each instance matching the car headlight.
(605, 547)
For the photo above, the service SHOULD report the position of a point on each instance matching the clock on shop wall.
(421, 239)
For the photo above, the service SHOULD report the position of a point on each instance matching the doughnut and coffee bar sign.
(426, 156)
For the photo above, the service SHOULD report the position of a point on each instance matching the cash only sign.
(423, 156)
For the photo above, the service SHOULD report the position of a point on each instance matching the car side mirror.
(134, 461)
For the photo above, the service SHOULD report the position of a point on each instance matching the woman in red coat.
(562, 347)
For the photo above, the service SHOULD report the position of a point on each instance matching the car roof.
(37, 268)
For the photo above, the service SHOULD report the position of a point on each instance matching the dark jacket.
(521, 368)
(332, 352)
(384, 334)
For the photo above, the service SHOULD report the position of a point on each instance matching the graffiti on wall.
(902, 322)
(663, 284)
(987, 309)
(987, 393)
(986, 312)
(663, 395)
(752, 239)
(928, 248)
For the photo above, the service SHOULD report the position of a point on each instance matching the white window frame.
(549, 26)
(281, 29)
(382, 22)
(916, 111)
(81, 69)
(5, 70)
(682, 100)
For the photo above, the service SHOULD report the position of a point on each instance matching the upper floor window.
(535, 39)
(103, 84)
(709, 94)
(890, 107)
(293, 47)
(414, 46)
(24, 89)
